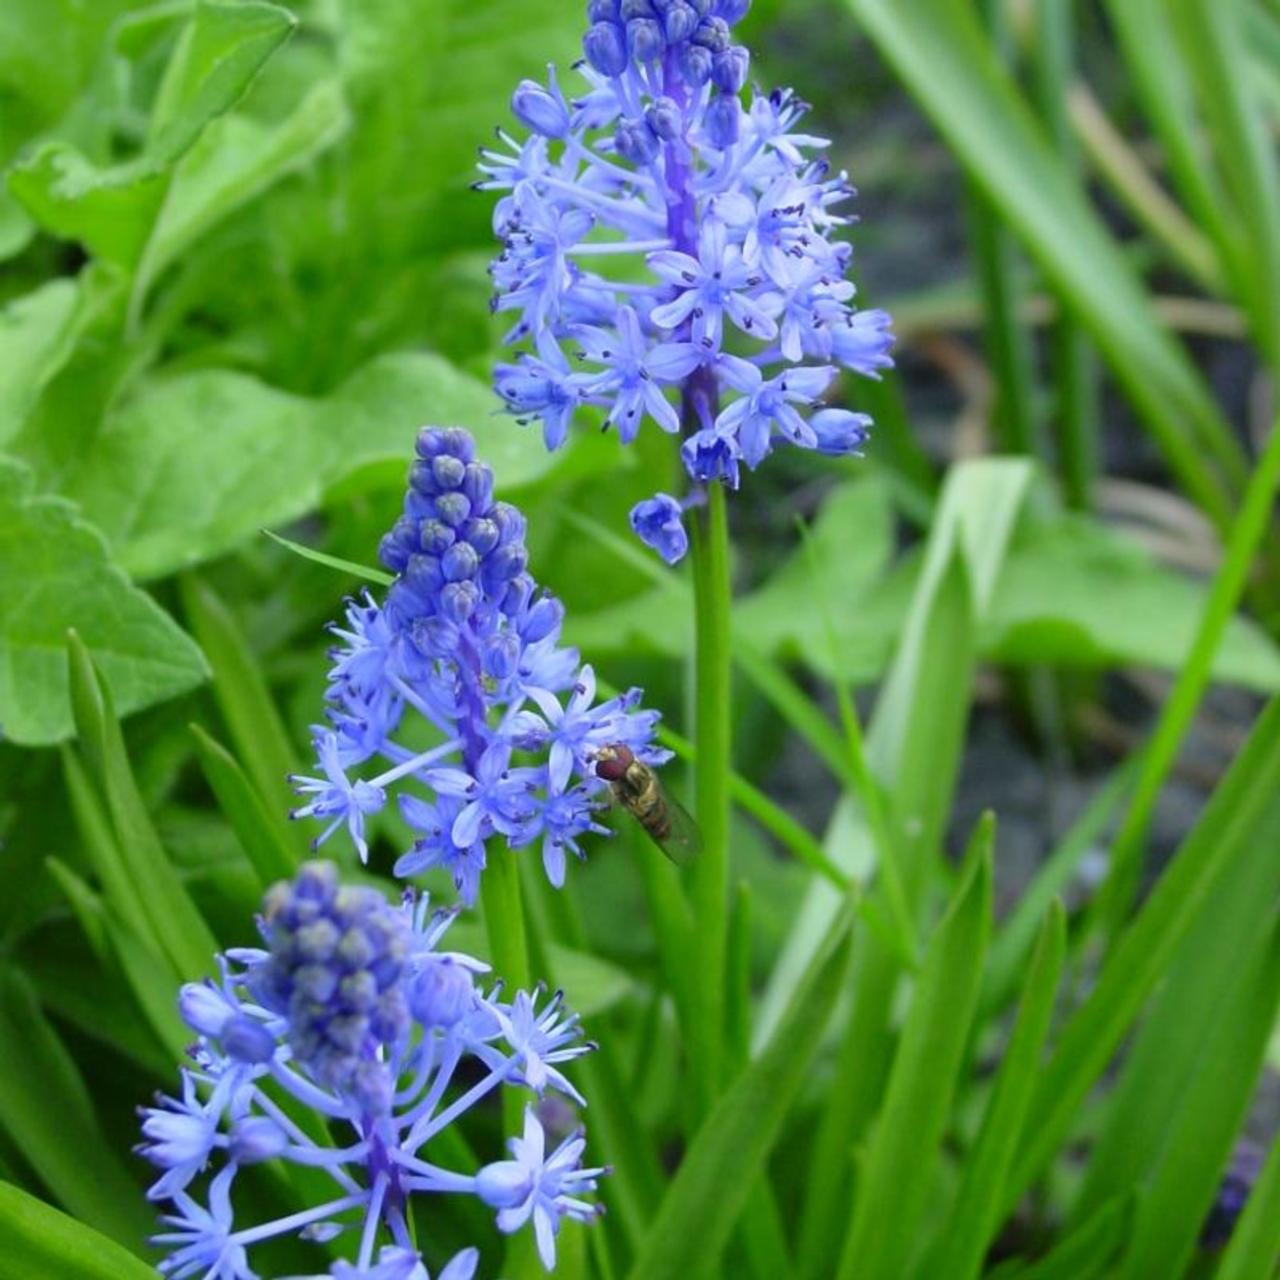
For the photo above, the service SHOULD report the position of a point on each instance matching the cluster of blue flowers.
(465, 657)
(731, 211)
(351, 1012)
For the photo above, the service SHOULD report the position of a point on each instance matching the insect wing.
(682, 841)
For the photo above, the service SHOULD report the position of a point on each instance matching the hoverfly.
(637, 789)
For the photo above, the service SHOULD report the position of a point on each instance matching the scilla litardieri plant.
(466, 650)
(352, 1014)
(669, 255)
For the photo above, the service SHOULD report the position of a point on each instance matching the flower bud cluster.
(668, 254)
(465, 653)
(336, 957)
(352, 1013)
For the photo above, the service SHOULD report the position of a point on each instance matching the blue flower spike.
(465, 655)
(669, 254)
(352, 1012)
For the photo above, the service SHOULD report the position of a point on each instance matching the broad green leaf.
(1075, 594)
(36, 335)
(1255, 1242)
(174, 923)
(48, 1111)
(850, 546)
(591, 984)
(55, 573)
(16, 229)
(234, 161)
(219, 53)
(711, 1187)
(1227, 831)
(1070, 592)
(112, 211)
(1209, 1114)
(938, 49)
(426, 93)
(900, 1165)
(48, 49)
(967, 1232)
(40, 1241)
(191, 466)
(372, 419)
(109, 211)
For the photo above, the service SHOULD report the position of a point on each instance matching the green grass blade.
(173, 920)
(939, 51)
(262, 833)
(363, 572)
(1175, 1046)
(1247, 532)
(1121, 166)
(258, 734)
(61, 992)
(99, 844)
(738, 1002)
(1014, 938)
(1225, 833)
(41, 1242)
(967, 1234)
(1086, 1251)
(1159, 76)
(913, 749)
(710, 1190)
(901, 1161)
(997, 263)
(1074, 367)
(861, 781)
(1212, 35)
(764, 1240)
(1254, 1250)
(48, 1112)
(1209, 1114)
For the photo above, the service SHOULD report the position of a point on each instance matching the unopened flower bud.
(247, 1040)
(256, 1138)
(729, 68)
(645, 39)
(540, 110)
(605, 48)
(724, 119)
(636, 141)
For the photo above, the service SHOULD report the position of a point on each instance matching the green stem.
(504, 919)
(712, 725)
(508, 948)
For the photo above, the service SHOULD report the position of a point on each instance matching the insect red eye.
(614, 762)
